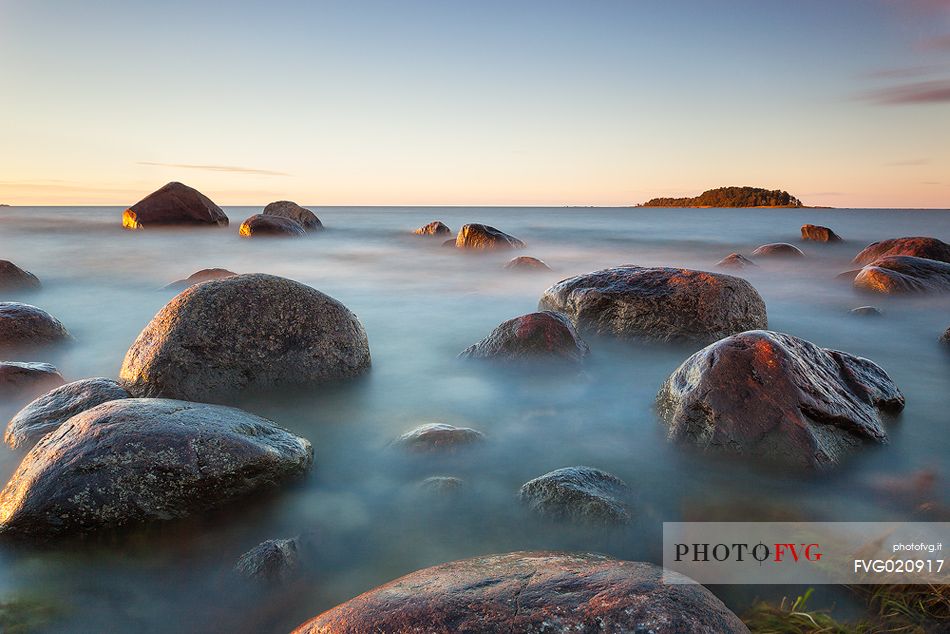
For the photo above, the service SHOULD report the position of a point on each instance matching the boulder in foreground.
(144, 460)
(434, 228)
(271, 226)
(917, 246)
(54, 408)
(578, 494)
(532, 592)
(527, 263)
(777, 250)
(770, 396)
(25, 326)
(544, 336)
(663, 304)
(22, 380)
(174, 204)
(735, 261)
(13, 278)
(435, 437)
(485, 238)
(249, 332)
(301, 215)
(817, 233)
(904, 274)
(200, 276)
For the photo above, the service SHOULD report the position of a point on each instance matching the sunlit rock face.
(904, 274)
(485, 238)
(434, 228)
(260, 225)
(774, 397)
(13, 278)
(218, 339)
(777, 250)
(917, 246)
(173, 204)
(133, 461)
(291, 210)
(735, 261)
(578, 494)
(526, 263)
(24, 326)
(22, 381)
(544, 336)
(203, 275)
(817, 233)
(662, 304)
(532, 592)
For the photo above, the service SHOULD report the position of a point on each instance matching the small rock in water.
(544, 335)
(260, 225)
(24, 381)
(578, 494)
(439, 437)
(735, 261)
(817, 233)
(13, 278)
(25, 326)
(847, 276)
(273, 561)
(441, 485)
(301, 215)
(904, 274)
(174, 204)
(201, 276)
(434, 228)
(778, 250)
(865, 311)
(945, 337)
(527, 263)
(484, 237)
(449, 244)
(918, 246)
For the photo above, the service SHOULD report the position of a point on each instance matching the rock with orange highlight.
(544, 336)
(817, 233)
(260, 225)
(917, 246)
(904, 274)
(174, 204)
(485, 238)
(533, 592)
(770, 396)
(434, 228)
(663, 304)
(301, 215)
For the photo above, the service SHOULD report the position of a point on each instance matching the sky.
(843, 103)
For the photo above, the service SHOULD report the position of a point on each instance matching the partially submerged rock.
(13, 278)
(544, 335)
(273, 561)
(902, 274)
(272, 226)
(768, 395)
(442, 485)
(918, 246)
(527, 263)
(434, 228)
(26, 326)
(865, 311)
(945, 337)
(485, 237)
(533, 592)
(301, 215)
(174, 204)
(663, 304)
(777, 250)
(54, 408)
(23, 380)
(578, 494)
(200, 276)
(258, 332)
(144, 460)
(817, 233)
(735, 261)
(436, 437)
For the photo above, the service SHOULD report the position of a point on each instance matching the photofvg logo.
(804, 552)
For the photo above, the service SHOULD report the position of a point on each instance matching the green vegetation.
(731, 197)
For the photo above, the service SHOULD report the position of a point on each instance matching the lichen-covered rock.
(484, 237)
(287, 209)
(663, 304)
(144, 460)
(817, 233)
(24, 381)
(526, 263)
(865, 311)
(249, 332)
(273, 561)
(54, 408)
(917, 246)
(777, 250)
(735, 261)
(201, 276)
(771, 396)
(902, 274)
(437, 437)
(545, 335)
(578, 494)
(13, 278)
(25, 326)
(260, 225)
(174, 204)
(532, 592)
(434, 228)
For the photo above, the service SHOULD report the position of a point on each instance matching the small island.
(731, 197)
(4, 205)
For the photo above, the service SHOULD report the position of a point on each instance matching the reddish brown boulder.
(735, 261)
(544, 335)
(484, 237)
(532, 592)
(25, 381)
(777, 250)
(903, 274)
(13, 278)
(301, 215)
(201, 276)
(439, 437)
(527, 263)
(174, 204)
(260, 225)
(771, 396)
(24, 326)
(918, 246)
(817, 233)
(434, 228)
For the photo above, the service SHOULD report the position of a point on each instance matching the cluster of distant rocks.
(163, 440)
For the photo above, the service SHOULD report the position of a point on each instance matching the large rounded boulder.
(270, 226)
(663, 304)
(578, 494)
(144, 460)
(54, 408)
(291, 210)
(774, 397)
(25, 326)
(903, 274)
(249, 332)
(532, 592)
(917, 246)
(485, 238)
(13, 278)
(174, 204)
(544, 336)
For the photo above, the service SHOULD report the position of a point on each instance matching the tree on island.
(731, 197)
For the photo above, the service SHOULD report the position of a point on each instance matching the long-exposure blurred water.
(421, 304)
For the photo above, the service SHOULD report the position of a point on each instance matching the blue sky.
(843, 103)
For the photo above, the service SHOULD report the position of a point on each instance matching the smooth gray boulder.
(578, 494)
(216, 340)
(438, 437)
(25, 326)
(133, 461)
(273, 561)
(288, 209)
(13, 278)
